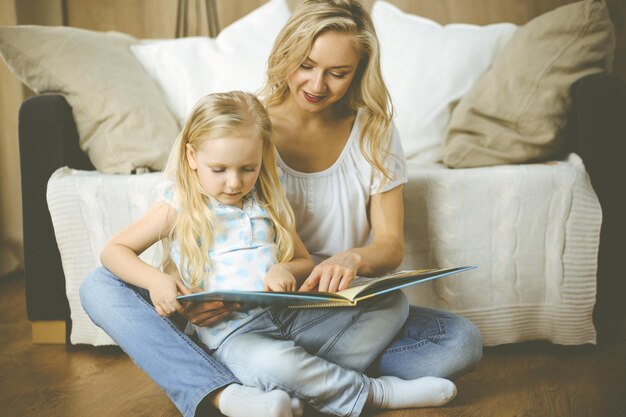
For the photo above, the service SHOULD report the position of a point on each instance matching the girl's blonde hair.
(216, 116)
(293, 45)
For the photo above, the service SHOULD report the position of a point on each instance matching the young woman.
(230, 226)
(343, 167)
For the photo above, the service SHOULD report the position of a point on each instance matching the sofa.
(525, 194)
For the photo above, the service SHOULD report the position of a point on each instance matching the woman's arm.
(286, 276)
(384, 253)
(121, 256)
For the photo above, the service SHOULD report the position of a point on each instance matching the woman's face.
(326, 74)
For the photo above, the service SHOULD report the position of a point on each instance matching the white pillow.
(428, 68)
(186, 69)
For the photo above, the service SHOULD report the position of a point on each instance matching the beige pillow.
(514, 112)
(121, 116)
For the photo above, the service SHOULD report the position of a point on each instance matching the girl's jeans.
(430, 342)
(311, 353)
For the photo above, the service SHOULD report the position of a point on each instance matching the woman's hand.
(334, 274)
(279, 278)
(207, 312)
(384, 253)
(163, 291)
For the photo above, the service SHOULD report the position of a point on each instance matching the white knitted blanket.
(533, 230)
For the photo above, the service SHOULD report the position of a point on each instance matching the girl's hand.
(207, 312)
(279, 278)
(334, 274)
(163, 292)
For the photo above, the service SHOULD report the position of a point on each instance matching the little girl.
(229, 226)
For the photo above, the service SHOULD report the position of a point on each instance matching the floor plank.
(524, 379)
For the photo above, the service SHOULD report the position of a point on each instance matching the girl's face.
(326, 74)
(227, 167)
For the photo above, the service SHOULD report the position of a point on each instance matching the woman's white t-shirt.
(331, 206)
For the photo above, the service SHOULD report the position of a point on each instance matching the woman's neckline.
(342, 155)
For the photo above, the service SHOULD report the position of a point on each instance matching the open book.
(360, 289)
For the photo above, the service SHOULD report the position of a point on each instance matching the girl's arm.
(121, 256)
(384, 253)
(287, 276)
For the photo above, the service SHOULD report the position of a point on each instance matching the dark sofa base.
(600, 119)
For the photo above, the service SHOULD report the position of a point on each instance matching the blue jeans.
(293, 350)
(430, 342)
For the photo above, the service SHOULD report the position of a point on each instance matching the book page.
(360, 284)
(352, 292)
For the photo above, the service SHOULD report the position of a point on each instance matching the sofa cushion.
(120, 114)
(187, 69)
(427, 68)
(514, 112)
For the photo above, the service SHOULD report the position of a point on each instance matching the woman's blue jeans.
(430, 342)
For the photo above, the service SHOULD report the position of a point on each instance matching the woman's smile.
(312, 98)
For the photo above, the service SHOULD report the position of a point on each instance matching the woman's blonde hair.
(216, 116)
(293, 45)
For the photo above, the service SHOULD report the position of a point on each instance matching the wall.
(40, 12)
(10, 196)
(157, 19)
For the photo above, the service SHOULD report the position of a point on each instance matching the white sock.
(389, 392)
(242, 401)
(297, 407)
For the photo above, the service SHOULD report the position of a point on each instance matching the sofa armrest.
(600, 126)
(47, 140)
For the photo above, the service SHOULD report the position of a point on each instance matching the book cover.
(361, 288)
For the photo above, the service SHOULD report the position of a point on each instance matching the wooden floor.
(527, 379)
